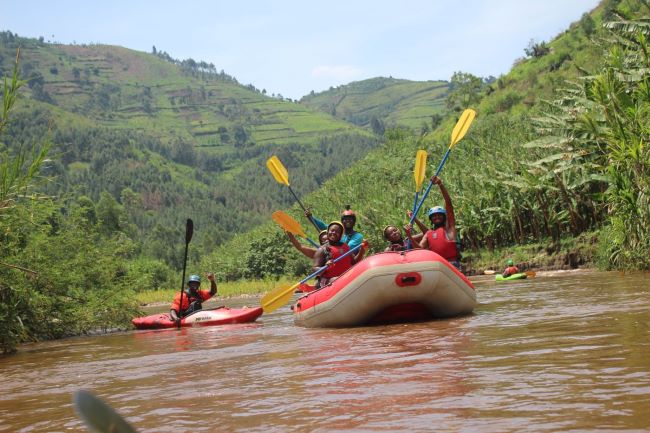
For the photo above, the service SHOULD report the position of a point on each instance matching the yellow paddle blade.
(462, 126)
(288, 223)
(420, 168)
(277, 298)
(531, 274)
(278, 170)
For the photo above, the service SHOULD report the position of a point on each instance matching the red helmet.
(348, 213)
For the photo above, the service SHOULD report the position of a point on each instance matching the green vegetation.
(383, 103)
(168, 140)
(511, 182)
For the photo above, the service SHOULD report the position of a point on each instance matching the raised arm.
(309, 252)
(450, 224)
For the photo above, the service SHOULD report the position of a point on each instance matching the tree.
(536, 49)
(465, 90)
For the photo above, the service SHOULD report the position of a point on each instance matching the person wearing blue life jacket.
(350, 237)
(442, 237)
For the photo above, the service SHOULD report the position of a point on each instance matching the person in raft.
(307, 251)
(511, 269)
(192, 297)
(441, 238)
(330, 251)
(397, 242)
(349, 219)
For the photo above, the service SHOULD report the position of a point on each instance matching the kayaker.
(511, 269)
(396, 241)
(349, 219)
(441, 238)
(330, 251)
(307, 251)
(192, 296)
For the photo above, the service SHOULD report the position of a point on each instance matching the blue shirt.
(352, 240)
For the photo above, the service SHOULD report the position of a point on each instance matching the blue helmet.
(436, 209)
(194, 278)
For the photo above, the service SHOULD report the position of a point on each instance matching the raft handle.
(408, 279)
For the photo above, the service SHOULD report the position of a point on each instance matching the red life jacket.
(510, 270)
(335, 251)
(203, 295)
(399, 246)
(438, 243)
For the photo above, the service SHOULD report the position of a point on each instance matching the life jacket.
(438, 243)
(399, 246)
(332, 252)
(203, 295)
(510, 270)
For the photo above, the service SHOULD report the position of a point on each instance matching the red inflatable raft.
(217, 316)
(389, 287)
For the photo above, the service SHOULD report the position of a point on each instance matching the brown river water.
(564, 351)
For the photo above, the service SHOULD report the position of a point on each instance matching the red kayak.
(217, 316)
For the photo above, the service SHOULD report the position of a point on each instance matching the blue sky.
(292, 47)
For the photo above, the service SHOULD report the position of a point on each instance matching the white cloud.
(338, 72)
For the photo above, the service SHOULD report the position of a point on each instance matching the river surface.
(564, 351)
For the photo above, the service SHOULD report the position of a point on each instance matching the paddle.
(291, 225)
(457, 134)
(274, 300)
(530, 274)
(418, 173)
(98, 416)
(189, 230)
(281, 175)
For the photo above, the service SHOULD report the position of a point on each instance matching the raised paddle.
(418, 173)
(291, 225)
(281, 175)
(457, 134)
(189, 231)
(277, 298)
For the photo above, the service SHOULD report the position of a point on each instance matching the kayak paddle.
(281, 175)
(291, 225)
(189, 231)
(457, 134)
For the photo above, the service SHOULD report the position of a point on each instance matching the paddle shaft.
(426, 191)
(189, 230)
(303, 208)
(285, 292)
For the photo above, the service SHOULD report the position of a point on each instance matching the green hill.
(392, 102)
(533, 168)
(168, 139)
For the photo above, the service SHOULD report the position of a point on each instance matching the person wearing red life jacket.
(511, 269)
(192, 297)
(441, 238)
(330, 251)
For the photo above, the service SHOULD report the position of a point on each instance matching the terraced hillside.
(391, 101)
